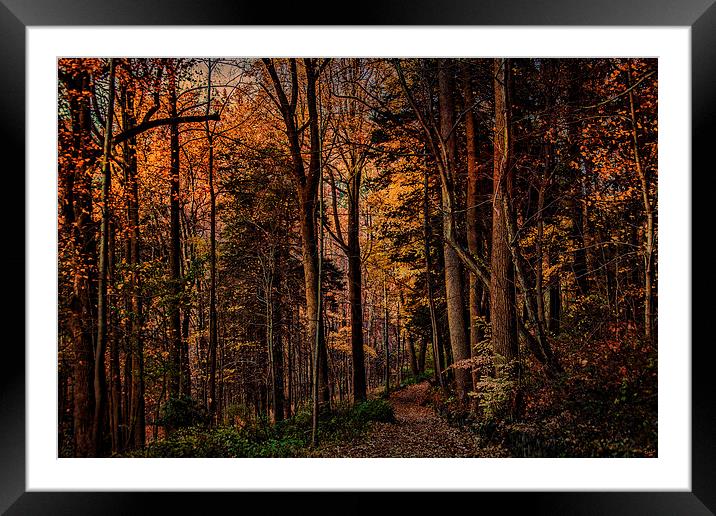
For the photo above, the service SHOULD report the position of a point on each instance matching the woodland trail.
(418, 432)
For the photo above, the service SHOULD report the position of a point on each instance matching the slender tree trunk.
(555, 306)
(134, 360)
(100, 380)
(115, 419)
(413, 355)
(649, 215)
(385, 337)
(316, 174)
(137, 417)
(127, 302)
(539, 252)
(579, 214)
(312, 274)
(268, 301)
(421, 355)
(399, 341)
(213, 332)
(185, 359)
(438, 363)
(289, 362)
(472, 220)
(355, 290)
(175, 341)
(579, 260)
(276, 353)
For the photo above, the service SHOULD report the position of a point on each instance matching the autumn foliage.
(267, 245)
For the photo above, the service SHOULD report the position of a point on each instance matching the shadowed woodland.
(356, 257)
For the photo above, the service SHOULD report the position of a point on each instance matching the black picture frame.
(16, 15)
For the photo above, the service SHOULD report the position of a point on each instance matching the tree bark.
(385, 337)
(174, 120)
(472, 220)
(213, 330)
(453, 274)
(413, 355)
(100, 381)
(279, 398)
(175, 340)
(117, 424)
(555, 306)
(421, 355)
(273, 338)
(438, 362)
(134, 359)
(137, 417)
(355, 290)
(502, 292)
(648, 214)
(77, 224)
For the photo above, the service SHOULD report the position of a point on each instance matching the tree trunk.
(400, 341)
(137, 418)
(185, 359)
(578, 212)
(453, 274)
(275, 350)
(289, 362)
(116, 421)
(502, 291)
(472, 221)
(100, 381)
(76, 222)
(213, 331)
(421, 355)
(649, 215)
(175, 340)
(539, 272)
(385, 337)
(355, 289)
(438, 363)
(555, 306)
(413, 355)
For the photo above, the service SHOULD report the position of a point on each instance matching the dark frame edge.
(12, 368)
(703, 112)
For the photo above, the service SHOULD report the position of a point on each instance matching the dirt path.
(418, 432)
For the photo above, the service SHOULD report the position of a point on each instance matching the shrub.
(420, 377)
(373, 410)
(182, 412)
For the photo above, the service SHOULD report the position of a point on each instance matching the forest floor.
(418, 432)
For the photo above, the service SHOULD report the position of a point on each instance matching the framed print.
(429, 250)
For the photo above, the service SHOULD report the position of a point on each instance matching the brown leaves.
(419, 432)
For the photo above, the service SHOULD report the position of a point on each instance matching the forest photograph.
(357, 257)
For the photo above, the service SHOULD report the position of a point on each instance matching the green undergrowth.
(288, 438)
(413, 379)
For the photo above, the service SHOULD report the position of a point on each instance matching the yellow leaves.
(341, 340)
(369, 351)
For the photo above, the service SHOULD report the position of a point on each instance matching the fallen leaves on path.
(418, 432)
